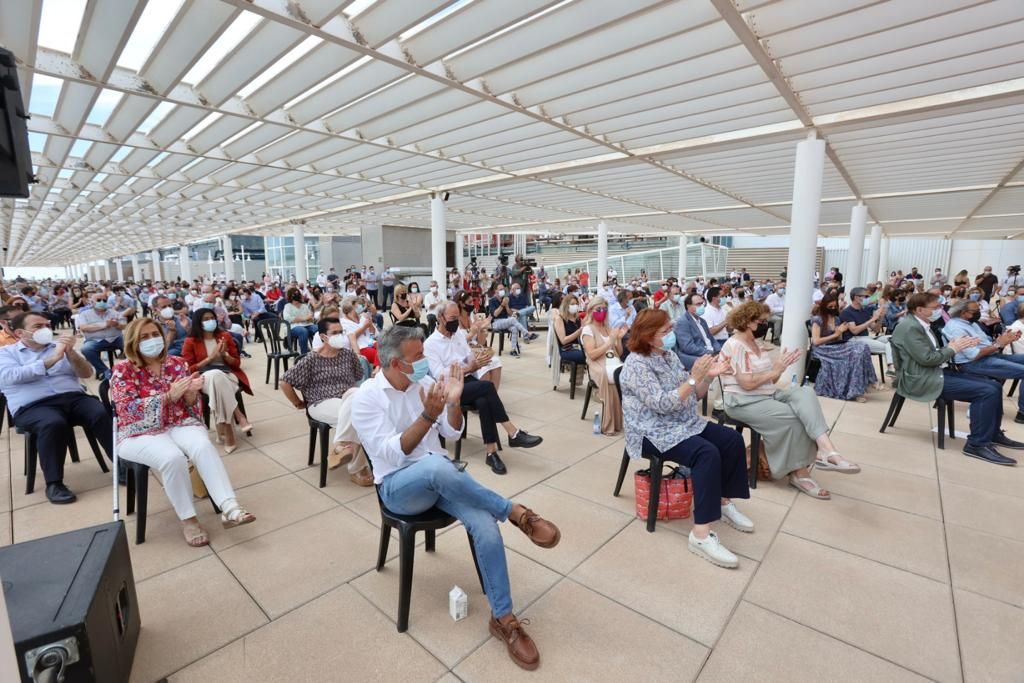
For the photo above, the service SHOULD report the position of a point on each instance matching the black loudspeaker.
(15, 157)
(72, 605)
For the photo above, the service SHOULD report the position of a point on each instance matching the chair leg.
(142, 503)
(881, 368)
(586, 399)
(940, 409)
(312, 444)
(431, 537)
(704, 405)
(890, 414)
(458, 443)
(622, 473)
(31, 458)
(277, 372)
(572, 382)
(1013, 388)
(949, 419)
(325, 444)
(73, 448)
(95, 446)
(899, 407)
(405, 564)
(382, 548)
(652, 506)
(267, 381)
(129, 492)
(472, 551)
(501, 343)
(755, 451)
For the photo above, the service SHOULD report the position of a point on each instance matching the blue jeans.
(986, 399)
(999, 366)
(433, 480)
(93, 350)
(303, 333)
(524, 315)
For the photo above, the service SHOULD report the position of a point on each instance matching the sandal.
(236, 516)
(860, 399)
(833, 462)
(195, 536)
(808, 486)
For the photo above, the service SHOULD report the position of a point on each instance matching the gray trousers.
(789, 421)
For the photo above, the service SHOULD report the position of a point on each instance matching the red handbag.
(676, 496)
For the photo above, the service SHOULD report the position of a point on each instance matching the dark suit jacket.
(690, 343)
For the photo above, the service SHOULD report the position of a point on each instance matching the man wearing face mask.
(861, 321)
(519, 300)
(987, 281)
(328, 378)
(776, 301)
(102, 328)
(447, 348)
(1008, 311)
(40, 376)
(430, 301)
(692, 336)
(925, 373)
(673, 304)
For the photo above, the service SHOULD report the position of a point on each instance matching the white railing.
(709, 260)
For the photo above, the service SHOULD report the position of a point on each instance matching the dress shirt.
(931, 335)
(704, 335)
(675, 311)
(620, 316)
(775, 302)
(431, 300)
(26, 380)
(715, 316)
(958, 327)
(380, 413)
(253, 305)
(92, 317)
(443, 351)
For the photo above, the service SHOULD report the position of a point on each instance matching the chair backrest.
(270, 329)
(615, 377)
(104, 391)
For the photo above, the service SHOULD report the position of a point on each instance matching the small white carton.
(458, 603)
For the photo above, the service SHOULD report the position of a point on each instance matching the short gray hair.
(389, 344)
(956, 309)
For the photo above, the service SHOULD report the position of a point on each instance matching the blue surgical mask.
(699, 311)
(360, 308)
(151, 348)
(974, 297)
(420, 369)
(782, 291)
(209, 325)
(100, 305)
(1020, 298)
(942, 299)
(935, 315)
(669, 340)
(172, 296)
(207, 305)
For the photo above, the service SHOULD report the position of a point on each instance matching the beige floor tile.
(449, 678)
(568, 447)
(340, 486)
(187, 613)
(276, 503)
(524, 468)
(989, 638)
(92, 507)
(756, 636)
(893, 614)
(277, 429)
(643, 572)
(366, 507)
(79, 477)
(900, 539)
(986, 564)
(993, 513)
(911, 430)
(585, 526)
(293, 453)
(907, 492)
(594, 479)
(250, 466)
(5, 528)
(165, 546)
(875, 451)
(956, 468)
(434, 575)
(547, 407)
(766, 515)
(776, 491)
(290, 566)
(572, 628)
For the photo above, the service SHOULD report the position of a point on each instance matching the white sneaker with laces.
(736, 519)
(713, 551)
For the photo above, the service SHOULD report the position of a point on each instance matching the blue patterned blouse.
(651, 405)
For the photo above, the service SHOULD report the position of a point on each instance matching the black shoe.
(514, 353)
(59, 494)
(988, 454)
(1003, 440)
(243, 354)
(533, 335)
(524, 440)
(1019, 419)
(493, 461)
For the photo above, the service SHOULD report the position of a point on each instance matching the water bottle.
(597, 422)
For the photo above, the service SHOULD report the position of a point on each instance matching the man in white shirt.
(673, 303)
(399, 416)
(430, 301)
(448, 347)
(714, 316)
(776, 301)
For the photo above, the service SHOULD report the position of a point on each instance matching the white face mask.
(433, 289)
(44, 335)
(152, 347)
(337, 341)
(167, 313)
(574, 308)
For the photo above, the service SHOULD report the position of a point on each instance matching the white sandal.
(809, 487)
(236, 516)
(843, 466)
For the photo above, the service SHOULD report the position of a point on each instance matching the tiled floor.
(912, 571)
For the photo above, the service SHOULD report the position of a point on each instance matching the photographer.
(1012, 279)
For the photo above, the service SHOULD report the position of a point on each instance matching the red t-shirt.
(659, 296)
(274, 294)
(584, 279)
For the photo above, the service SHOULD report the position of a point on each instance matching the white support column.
(803, 242)
(875, 262)
(855, 254)
(136, 273)
(883, 260)
(106, 269)
(299, 232)
(438, 229)
(602, 257)
(460, 257)
(229, 259)
(682, 259)
(119, 263)
(184, 265)
(155, 257)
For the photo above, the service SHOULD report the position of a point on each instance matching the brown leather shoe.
(362, 478)
(537, 529)
(521, 647)
(339, 455)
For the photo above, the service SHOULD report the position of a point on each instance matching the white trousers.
(169, 453)
(879, 344)
(338, 411)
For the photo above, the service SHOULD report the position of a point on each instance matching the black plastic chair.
(205, 401)
(277, 347)
(466, 410)
(943, 410)
(137, 484)
(574, 370)
(429, 522)
(1013, 387)
(501, 339)
(322, 431)
(723, 418)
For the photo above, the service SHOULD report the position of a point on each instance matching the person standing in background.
(387, 287)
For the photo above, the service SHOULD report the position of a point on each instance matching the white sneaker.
(736, 519)
(713, 551)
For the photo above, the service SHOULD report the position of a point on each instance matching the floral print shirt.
(140, 402)
(651, 405)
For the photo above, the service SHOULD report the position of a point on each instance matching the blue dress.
(846, 369)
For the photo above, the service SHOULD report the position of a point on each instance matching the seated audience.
(359, 330)
(790, 419)
(714, 314)
(448, 347)
(299, 315)
(1008, 310)
(861, 321)
(504, 319)
(923, 373)
(567, 328)
(399, 416)
(519, 300)
(211, 351)
(776, 302)
(328, 378)
(1016, 347)
(7, 314)
(672, 303)
(159, 425)
(693, 338)
(601, 343)
(430, 301)
(101, 327)
(403, 311)
(620, 312)
(41, 377)
(846, 369)
(659, 401)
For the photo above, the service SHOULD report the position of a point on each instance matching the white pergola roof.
(161, 122)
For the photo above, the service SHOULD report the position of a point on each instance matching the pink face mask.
(599, 316)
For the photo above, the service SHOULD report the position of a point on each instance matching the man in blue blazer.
(693, 338)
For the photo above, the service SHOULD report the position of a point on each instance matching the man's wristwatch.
(692, 382)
